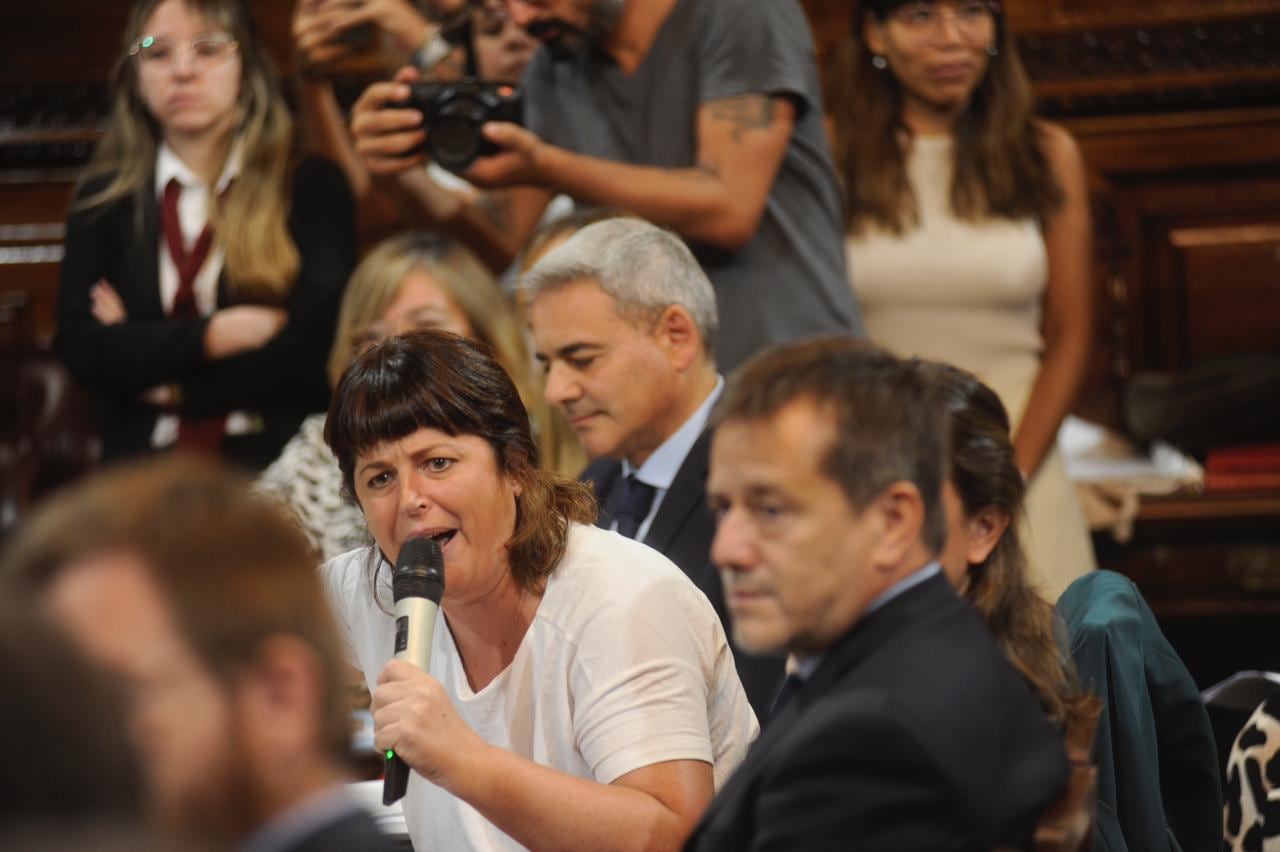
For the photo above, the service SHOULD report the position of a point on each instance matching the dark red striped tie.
(201, 434)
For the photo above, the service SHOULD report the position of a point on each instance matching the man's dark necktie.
(786, 692)
(633, 505)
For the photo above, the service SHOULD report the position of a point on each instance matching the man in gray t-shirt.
(703, 116)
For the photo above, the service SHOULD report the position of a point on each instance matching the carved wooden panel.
(31, 230)
(1230, 281)
(77, 41)
(1036, 16)
(1187, 65)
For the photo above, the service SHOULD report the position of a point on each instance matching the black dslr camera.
(453, 114)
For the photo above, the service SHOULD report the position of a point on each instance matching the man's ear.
(901, 510)
(281, 696)
(679, 337)
(984, 530)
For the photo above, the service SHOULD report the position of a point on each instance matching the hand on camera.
(413, 715)
(516, 164)
(388, 140)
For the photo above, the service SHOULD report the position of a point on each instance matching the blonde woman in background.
(203, 264)
(412, 281)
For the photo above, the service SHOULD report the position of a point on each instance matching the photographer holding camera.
(703, 116)
(481, 42)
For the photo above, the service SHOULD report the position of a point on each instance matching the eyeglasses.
(972, 18)
(207, 52)
(490, 18)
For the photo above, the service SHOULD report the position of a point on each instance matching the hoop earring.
(993, 50)
(879, 62)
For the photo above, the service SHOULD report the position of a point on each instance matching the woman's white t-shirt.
(625, 665)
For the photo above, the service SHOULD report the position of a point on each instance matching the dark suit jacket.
(914, 733)
(682, 531)
(282, 382)
(352, 832)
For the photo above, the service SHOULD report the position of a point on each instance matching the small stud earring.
(880, 62)
(993, 50)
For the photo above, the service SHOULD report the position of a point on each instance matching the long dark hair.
(985, 474)
(1001, 168)
(436, 380)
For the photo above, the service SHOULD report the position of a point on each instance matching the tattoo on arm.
(744, 112)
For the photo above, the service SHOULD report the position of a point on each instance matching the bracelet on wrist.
(431, 53)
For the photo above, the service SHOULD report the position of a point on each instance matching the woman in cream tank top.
(969, 233)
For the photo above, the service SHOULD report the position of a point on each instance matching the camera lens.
(454, 142)
(455, 138)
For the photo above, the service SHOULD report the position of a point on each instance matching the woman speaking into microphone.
(581, 692)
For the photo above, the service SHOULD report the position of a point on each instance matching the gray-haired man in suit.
(624, 323)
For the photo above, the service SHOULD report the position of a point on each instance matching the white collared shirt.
(661, 467)
(193, 215)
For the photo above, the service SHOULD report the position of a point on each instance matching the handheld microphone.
(417, 584)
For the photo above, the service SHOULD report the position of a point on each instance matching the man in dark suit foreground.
(204, 601)
(624, 322)
(903, 726)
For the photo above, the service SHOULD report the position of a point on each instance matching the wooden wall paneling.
(1110, 357)
(1036, 16)
(1231, 285)
(1214, 244)
(831, 21)
(31, 230)
(72, 41)
(1180, 142)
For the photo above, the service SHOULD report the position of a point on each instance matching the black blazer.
(914, 733)
(682, 531)
(353, 832)
(282, 382)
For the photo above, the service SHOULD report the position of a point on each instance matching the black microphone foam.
(419, 571)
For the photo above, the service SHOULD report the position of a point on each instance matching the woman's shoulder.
(609, 557)
(1060, 147)
(350, 572)
(93, 185)
(602, 571)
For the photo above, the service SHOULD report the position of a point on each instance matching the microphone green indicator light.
(390, 754)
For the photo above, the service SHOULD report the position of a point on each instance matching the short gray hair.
(644, 268)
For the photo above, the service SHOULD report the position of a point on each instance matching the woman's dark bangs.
(387, 408)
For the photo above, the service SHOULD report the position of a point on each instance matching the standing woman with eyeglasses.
(203, 266)
(969, 238)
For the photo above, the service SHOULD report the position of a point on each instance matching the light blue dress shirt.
(660, 469)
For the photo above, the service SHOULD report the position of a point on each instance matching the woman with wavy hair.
(409, 282)
(983, 556)
(969, 236)
(203, 266)
(581, 693)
